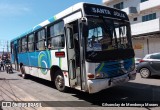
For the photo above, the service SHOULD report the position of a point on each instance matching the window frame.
(135, 19)
(119, 6)
(33, 42)
(149, 17)
(143, 1)
(25, 45)
(155, 55)
(36, 40)
(19, 46)
(52, 36)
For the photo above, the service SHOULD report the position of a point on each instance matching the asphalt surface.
(14, 88)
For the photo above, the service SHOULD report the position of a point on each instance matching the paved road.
(14, 88)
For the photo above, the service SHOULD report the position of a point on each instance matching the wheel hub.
(59, 82)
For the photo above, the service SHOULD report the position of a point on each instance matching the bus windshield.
(106, 35)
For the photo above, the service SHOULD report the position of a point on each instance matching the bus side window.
(56, 36)
(31, 43)
(40, 40)
(19, 45)
(24, 44)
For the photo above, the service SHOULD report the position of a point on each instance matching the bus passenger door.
(73, 60)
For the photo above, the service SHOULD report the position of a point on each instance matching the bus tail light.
(60, 54)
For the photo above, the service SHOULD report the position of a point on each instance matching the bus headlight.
(99, 75)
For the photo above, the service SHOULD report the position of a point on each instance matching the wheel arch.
(53, 71)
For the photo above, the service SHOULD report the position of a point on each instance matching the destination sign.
(91, 9)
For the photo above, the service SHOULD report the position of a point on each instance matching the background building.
(4, 49)
(144, 16)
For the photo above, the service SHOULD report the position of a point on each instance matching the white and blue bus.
(87, 47)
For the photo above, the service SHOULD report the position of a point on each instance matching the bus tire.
(24, 75)
(59, 81)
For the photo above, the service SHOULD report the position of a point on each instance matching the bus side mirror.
(84, 26)
(84, 20)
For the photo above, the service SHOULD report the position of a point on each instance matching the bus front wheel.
(59, 81)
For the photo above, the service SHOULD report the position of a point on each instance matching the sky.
(18, 16)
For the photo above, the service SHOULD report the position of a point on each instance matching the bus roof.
(52, 19)
(60, 15)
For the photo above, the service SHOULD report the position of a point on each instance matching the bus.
(87, 47)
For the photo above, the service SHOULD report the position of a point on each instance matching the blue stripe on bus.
(36, 59)
(113, 68)
(23, 58)
(51, 19)
(36, 27)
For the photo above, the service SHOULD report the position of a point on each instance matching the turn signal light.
(90, 76)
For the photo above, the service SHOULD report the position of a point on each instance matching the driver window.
(99, 39)
(94, 37)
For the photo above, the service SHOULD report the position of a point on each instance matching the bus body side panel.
(23, 58)
(44, 63)
(62, 63)
(33, 59)
(33, 70)
(40, 64)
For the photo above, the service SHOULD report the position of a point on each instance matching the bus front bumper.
(97, 85)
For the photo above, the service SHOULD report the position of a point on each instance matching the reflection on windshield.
(107, 34)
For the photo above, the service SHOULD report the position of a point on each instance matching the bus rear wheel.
(59, 81)
(24, 75)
